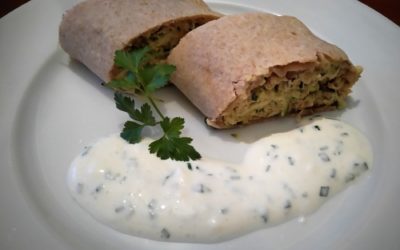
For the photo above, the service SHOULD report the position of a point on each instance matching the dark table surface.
(389, 8)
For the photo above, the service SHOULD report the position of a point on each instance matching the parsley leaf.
(127, 84)
(132, 132)
(131, 61)
(172, 128)
(124, 103)
(144, 115)
(175, 148)
(145, 78)
(157, 76)
(171, 145)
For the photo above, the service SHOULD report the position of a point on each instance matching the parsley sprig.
(144, 78)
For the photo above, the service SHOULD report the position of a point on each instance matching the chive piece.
(324, 157)
(224, 211)
(287, 205)
(324, 191)
(99, 188)
(264, 218)
(165, 234)
(317, 127)
(189, 166)
(291, 161)
(119, 209)
(201, 188)
(333, 173)
(167, 177)
(323, 148)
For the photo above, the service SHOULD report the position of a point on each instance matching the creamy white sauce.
(282, 176)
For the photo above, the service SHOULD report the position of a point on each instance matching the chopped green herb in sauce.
(324, 191)
(282, 176)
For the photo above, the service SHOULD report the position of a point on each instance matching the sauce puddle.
(282, 176)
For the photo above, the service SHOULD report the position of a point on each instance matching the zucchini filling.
(322, 87)
(163, 39)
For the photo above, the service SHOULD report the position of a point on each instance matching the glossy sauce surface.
(282, 176)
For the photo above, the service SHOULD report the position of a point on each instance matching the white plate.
(50, 108)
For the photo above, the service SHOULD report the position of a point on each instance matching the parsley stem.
(144, 78)
(155, 107)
